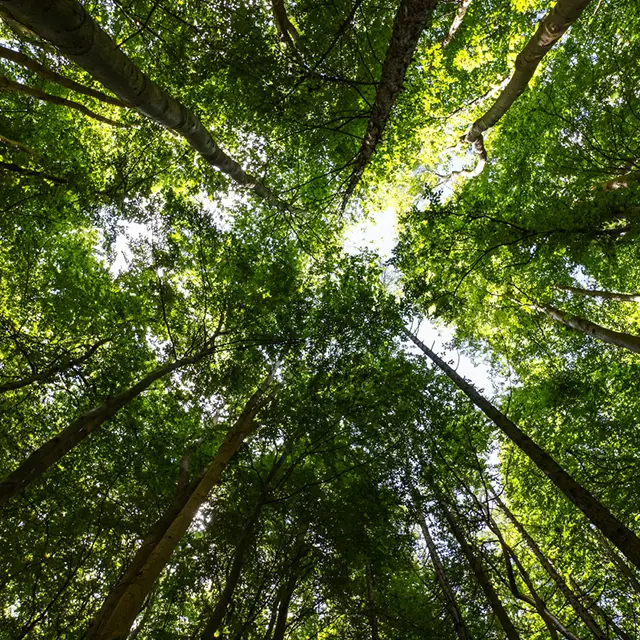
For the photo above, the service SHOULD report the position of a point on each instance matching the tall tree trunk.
(123, 603)
(550, 30)
(17, 87)
(598, 293)
(457, 22)
(626, 340)
(47, 74)
(63, 365)
(49, 453)
(371, 602)
(563, 587)
(244, 542)
(409, 22)
(450, 599)
(68, 26)
(614, 530)
(480, 574)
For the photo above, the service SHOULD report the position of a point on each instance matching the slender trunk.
(614, 530)
(563, 587)
(550, 30)
(609, 621)
(242, 547)
(49, 453)
(410, 20)
(457, 22)
(68, 26)
(480, 574)
(371, 600)
(123, 603)
(617, 338)
(51, 371)
(450, 599)
(552, 622)
(286, 28)
(17, 87)
(47, 74)
(597, 293)
(283, 609)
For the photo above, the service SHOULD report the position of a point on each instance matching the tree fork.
(614, 530)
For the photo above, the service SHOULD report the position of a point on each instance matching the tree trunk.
(371, 603)
(480, 574)
(47, 74)
(597, 293)
(238, 558)
(457, 22)
(625, 340)
(68, 26)
(614, 530)
(563, 587)
(49, 453)
(410, 20)
(450, 599)
(550, 30)
(123, 603)
(17, 87)
(51, 371)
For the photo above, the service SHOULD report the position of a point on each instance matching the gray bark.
(598, 293)
(550, 30)
(457, 22)
(617, 338)
(614, 530)
(68, 26)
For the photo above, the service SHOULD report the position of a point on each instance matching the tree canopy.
(223, 416)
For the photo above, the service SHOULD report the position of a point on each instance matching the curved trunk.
(614, 530)
(617, 338)
(410, 20)
(550, 30)
(122, 605)
(49, 453)
(69, 27)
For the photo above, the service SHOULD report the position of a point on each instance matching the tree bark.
(51, 371)
(598, 293)
(17, 87)
(457, 22)
(244, 542)
(371, 602)
(285, 27)
(47, 74)
(410, 20)
(68, 26)
(563, 587)
(614, 530)
(16, 168)
(550, 30)
(617, 338)
(451, 603)
(480, 574)
(123, 603)
(49, 453)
